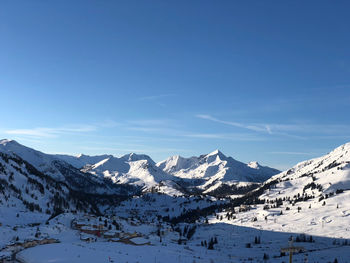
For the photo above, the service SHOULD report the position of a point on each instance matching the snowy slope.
(323, 175)
(62, 171)
(312, 197)
(215, 169)
(42, 162)
(22, 187)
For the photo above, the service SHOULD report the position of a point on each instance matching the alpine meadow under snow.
(211, 208)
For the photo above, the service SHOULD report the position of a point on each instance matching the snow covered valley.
(45, 216)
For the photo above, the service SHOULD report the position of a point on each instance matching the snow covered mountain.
(312, 197)
(81, 160)
(215, 170)
(24, 187)
(206, 173)
(139, 170)
(62, 171)
(325, 175)
(309, 202)
(211, 173)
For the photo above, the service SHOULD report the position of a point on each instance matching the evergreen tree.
(211, 244)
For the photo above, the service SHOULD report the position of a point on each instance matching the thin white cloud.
(171, 128)
(287, 130)
(292, 153)
(154, 97)
(132, 149)
(258, 128)
(44, 132)
(320, 128)
(151, 122)
(108, 124)
(147, 129)
(167, 127)
(225, 136)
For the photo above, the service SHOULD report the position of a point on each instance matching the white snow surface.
(330, 172)
(327, 221)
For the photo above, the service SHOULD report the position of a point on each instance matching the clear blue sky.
(260, 80)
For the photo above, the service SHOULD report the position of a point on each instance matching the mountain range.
(107, 173)
(49, 182)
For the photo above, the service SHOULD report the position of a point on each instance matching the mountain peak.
(215, 155)
(131, 157)
(6, 141)
(216, 152)
(254, 165)
(344, 147)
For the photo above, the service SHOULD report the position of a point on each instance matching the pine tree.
(211, 244)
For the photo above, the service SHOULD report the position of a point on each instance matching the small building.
(87, 238)
(90, 230)
(112, 234)
(99, 226)
(80, 224)
(244, 208)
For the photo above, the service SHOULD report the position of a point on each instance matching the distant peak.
(215, 155)
(216, 152)
(80, 155)
(129, 156)
(254, 165)
(344, 147)
(6, 141)
(132, 157)
(174, 157)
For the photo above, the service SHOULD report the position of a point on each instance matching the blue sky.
(260, 80)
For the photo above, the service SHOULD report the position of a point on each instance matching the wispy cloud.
(225, 136)
(135, 150)
(296, 130)
(152, 122)
(259, 128)
(292, 153)
(262, 128)
(154, 97)
(107, 124)
(173, 129)
(44, 132)
(167, 127)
